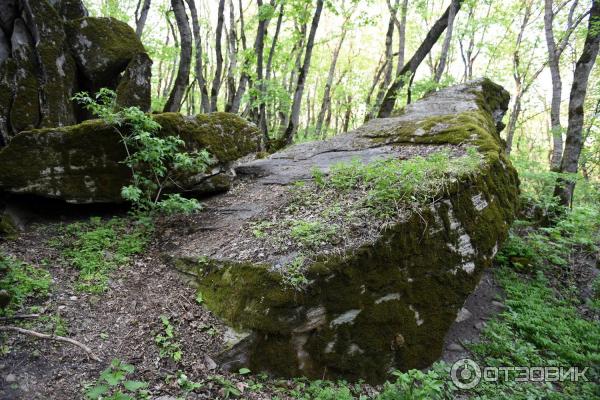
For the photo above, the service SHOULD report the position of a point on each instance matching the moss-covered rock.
(38, 72)
(102, 47)
(55, 66)
(25, 108)
(134, 87)
(70, 9)
(367, 308)
(82, 163)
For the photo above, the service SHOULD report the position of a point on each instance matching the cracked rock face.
(373, 301)
(49, 50)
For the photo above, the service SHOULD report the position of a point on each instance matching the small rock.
(498, 304)
(455, 347)
(62, 307)
(210, 363)
(480, 325)
(10, 378)
(463, 315)
(73, 298)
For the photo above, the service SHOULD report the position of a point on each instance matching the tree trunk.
(204, 100)
(185, 59)
(241, 89)
(327, 91)
(141, 14)
(259, 47)
(274, 43)
(514, 118)
(292, 127)
(411, 67)
(387, 75)
(232, 51)
(446, 45)
(216, 83)
(574, 142)
(401, 26)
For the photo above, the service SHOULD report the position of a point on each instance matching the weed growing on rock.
(155, 161)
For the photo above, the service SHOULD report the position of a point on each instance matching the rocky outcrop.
(316, 280)
(83, 163)
(50, 49)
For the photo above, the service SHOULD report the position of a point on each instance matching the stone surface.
(82, 163)
(40, 42)
(369, 305)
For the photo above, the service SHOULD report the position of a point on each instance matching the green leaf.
(244, 371)
(97, 391)
(133, 386)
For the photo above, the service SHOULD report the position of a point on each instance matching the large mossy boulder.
(316, 276)
(40, 42)
(83, 163)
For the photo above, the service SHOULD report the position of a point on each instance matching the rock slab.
(366, 309)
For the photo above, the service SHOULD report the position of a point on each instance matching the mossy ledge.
(385, 304)
(83, 163)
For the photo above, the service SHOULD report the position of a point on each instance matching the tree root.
(82, 346)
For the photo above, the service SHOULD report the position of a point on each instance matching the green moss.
(8, 229)
(102, 48)
(134, 87)
(56, 66)
(226, 136)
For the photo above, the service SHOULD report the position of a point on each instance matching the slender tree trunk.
(274, 43)
(241, 89)
(387, 75)
(216, 83)
(232, 51)
(574, 142)
(330, 75)
(553, 62)
(141, 14)
(204, 100)
(401, 26)
(411, 67)
(298, 49)
(514, 118)
(295, 114)
(441, 67)
(347, 114)
(259, 47)
(185, 58)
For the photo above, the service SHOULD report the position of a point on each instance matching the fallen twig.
(19, 316)
(52, 337)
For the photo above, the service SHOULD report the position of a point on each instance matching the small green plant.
(100, 246)
(418, 385)
(259, 229)
(167, 343)
(294, 273)
(114, 385)
(390, 183)
(228, 388)
(22, 281)
(184, 383)
(311, 233)
(156, 161)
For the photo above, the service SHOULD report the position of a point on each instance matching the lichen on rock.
(363, 306)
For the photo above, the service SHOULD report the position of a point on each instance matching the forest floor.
(135, 309)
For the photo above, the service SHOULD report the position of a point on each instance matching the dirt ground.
(123, 322)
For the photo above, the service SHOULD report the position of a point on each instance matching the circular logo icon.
(465, 373)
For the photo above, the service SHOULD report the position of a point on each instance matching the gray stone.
(381, 294)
